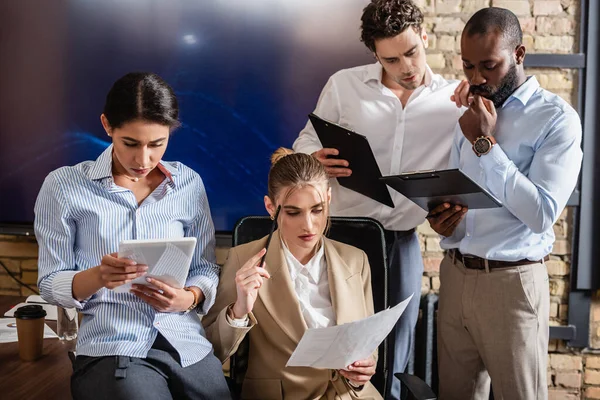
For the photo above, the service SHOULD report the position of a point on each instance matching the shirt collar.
(102, 167)
(314, 266)
(375, 73)
(524, 92)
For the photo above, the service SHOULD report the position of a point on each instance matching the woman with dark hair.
(146, 343)
(308, 281)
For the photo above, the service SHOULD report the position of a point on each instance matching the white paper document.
(168, 262)
(338, 346)
(8, 331)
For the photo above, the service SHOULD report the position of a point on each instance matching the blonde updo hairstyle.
(296, 170)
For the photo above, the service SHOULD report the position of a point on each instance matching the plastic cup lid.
(32, 311)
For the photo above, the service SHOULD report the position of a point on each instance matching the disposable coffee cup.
(30, 331)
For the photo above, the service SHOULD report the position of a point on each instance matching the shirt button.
(468, 234)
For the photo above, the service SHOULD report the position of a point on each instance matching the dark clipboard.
(428, 189)
(356, 150)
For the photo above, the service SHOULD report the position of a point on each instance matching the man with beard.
(523, 144)
(404, 111)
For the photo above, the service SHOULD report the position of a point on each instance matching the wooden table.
(46, 378)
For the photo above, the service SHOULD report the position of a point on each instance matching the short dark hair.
(141, 96)
(496, 19)
(388, 18)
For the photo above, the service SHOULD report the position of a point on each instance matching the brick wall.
(549, 27)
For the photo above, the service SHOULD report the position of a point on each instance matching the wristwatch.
(483, 145)
(195, 303)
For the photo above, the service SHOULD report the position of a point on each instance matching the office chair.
(366, 234)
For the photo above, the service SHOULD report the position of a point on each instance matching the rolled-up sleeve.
(55, 234)
(204, 271)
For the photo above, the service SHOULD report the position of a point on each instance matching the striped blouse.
(81, 215)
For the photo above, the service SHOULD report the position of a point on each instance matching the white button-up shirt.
(411, 138)
(311, 285)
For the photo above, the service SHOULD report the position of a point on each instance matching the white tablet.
(167, 259)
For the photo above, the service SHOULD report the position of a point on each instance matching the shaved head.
(496, 20)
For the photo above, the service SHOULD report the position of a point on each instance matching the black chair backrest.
(365, 233)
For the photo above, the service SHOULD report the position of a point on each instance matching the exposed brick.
(457, 62)
(519, 7)
(436, 61)
(554, 25)
(471, 6)
(592, 377)
(552, 345)
(553, 310)
(431, 264)
(563, 312)
(554, 44)
(435, 283)
(527, 24)
(557, 394)
(565, 362)
(448, 25)
(553, 82)
(29, 277)
(427, 6)
(557, 287)
(433, 245)
(431, 41)
(18, 249)
(29, 265)
(592, 362)
(11, 264)
(561, 247)
(447, 6)
(560, 228)
(592, 393)
(425, 285)
(557, 268)
(6, 282)
(568, 379)
(425, 229)
(528, 42)
(547, 7)
(446, 43)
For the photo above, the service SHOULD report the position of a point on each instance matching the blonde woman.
(308, 281)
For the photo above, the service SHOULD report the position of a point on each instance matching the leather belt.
(474, 262)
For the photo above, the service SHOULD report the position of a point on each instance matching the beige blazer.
(277, 324)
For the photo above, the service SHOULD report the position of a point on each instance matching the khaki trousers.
(493, 325)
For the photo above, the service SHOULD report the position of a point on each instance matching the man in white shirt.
(404, 110)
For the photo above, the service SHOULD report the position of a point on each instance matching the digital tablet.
(355, 149)
(168, 260)
(429, 189)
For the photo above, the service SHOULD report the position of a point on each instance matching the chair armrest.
(417, 388)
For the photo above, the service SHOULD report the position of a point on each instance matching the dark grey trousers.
(158, 376)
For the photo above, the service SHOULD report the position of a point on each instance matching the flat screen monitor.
(246, 73)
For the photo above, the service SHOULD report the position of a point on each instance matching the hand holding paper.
(338, 346)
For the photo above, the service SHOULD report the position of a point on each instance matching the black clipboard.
(429, 189)
(354, 148)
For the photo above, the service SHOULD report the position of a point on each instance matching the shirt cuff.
(62, 290)
(209, 289)
(237, 323)
(308, 149)
(495, 159)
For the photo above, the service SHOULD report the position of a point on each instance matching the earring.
(272, 217)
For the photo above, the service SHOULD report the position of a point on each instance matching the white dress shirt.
(416, 137)
(311, 285)
(532, 170)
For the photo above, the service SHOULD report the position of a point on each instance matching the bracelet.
(195, 303)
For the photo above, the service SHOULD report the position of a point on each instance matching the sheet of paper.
(162, 270)
(338, 346)
(51, 311)
(8, 331)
